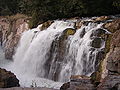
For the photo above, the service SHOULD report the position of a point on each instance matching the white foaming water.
(33, 53)
(81, 56)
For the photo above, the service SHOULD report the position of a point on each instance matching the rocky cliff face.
(107, 76)
(11, 28)
(111, 79)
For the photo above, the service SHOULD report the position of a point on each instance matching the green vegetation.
(44, 10)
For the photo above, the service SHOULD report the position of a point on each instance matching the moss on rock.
(108, 43)
(96, 43)
(96, 76)
(69, 31)
(45, 25)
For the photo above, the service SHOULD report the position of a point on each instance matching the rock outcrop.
(11, 28)
(111, 79)
(107, 76)
(78, 82)
(8, 79)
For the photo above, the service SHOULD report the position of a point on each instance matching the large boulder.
(8, 79)
(78, 82)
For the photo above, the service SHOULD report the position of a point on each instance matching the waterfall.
(81, 57)
(51, 55)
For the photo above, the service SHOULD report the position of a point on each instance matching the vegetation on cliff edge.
(43, 10)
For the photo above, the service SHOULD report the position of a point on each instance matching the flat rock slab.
(20, 88)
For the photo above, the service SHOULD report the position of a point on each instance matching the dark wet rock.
(100, 55)
(78, 82)
(86, 22)
(96, 43)
(111, 82)
(8, 79)
(95, 78)
(98, 33)
(82, 33)
(35, 31)
(65, 86)
(116, 87)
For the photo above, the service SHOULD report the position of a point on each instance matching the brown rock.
(112, 26)
(110, 82)
(79, 83)
(102, 18)
(96, 43)
(112, 60)
(115, 42)
(12, 28)
(78, 24)
(8, 79)
(45, 25)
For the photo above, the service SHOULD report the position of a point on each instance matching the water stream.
(40, 60)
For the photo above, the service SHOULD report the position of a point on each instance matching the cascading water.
(50, 54)
(81, 57)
